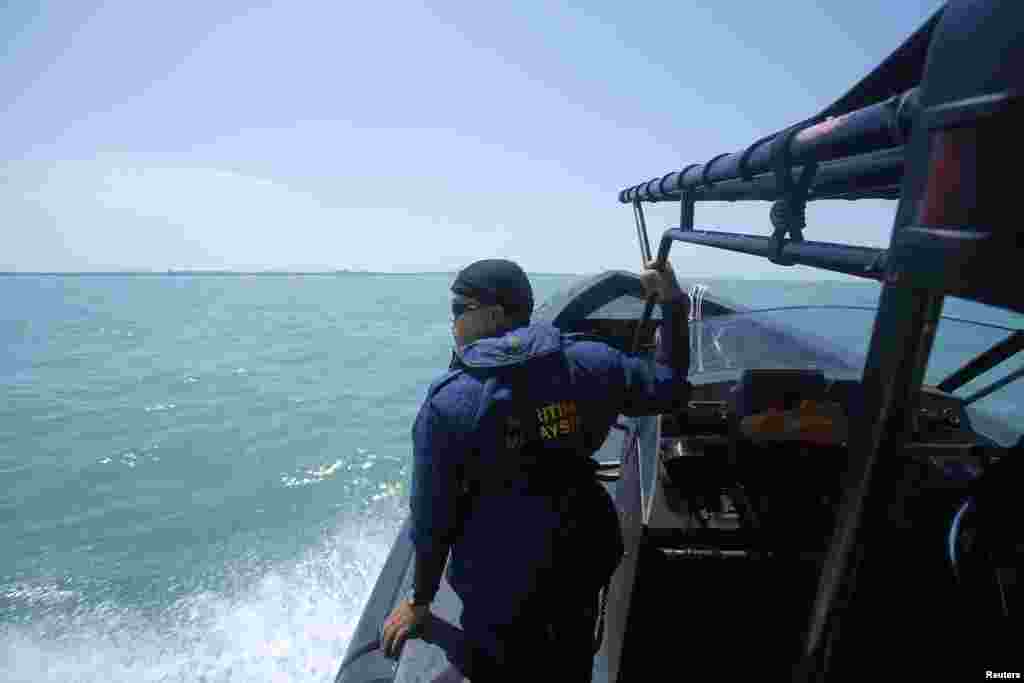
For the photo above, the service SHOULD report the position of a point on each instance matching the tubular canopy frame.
(849, 142)
(853, 156)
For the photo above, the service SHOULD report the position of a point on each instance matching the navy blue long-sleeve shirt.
(504, 540)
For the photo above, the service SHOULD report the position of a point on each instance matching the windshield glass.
(999, 415)
(775, 339)
(835, 339)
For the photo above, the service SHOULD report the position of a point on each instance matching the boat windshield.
(835, 339)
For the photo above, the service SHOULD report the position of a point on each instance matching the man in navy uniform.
(504, 480)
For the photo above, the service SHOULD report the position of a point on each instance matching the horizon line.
(173, 273)
(349, 273)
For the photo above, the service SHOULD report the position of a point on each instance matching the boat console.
(734, 528)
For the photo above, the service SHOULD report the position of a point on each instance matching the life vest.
(530, 439)
(529, 423)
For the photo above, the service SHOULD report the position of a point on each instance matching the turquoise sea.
(200, 476)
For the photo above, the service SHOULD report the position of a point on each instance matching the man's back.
(519, 420)
(570, 389)
(576, 384)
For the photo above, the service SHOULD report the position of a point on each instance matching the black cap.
(496, 281)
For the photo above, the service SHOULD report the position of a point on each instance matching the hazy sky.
(399, 136)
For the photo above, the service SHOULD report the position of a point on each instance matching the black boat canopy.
(853, 149)
(861, 146)
(862, 153)
(876, 114)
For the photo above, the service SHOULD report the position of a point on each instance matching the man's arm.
(662, 386)
(437, 457)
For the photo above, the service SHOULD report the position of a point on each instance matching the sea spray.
(291, 623)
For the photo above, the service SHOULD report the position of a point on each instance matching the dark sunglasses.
(461, 306)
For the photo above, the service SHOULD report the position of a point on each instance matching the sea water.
(201, 477)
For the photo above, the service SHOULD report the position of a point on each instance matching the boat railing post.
(641, 231)
(686, 204)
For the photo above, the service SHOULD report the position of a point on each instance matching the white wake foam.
(292, 624)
